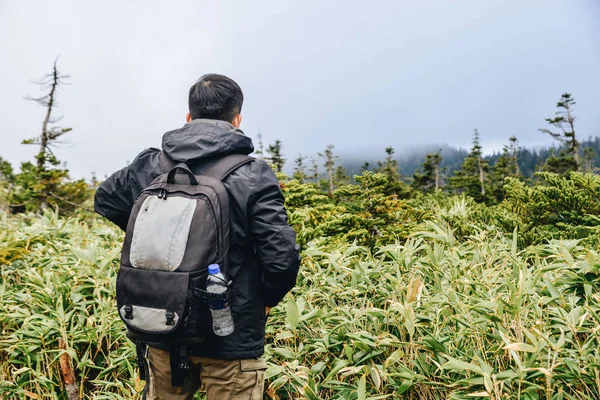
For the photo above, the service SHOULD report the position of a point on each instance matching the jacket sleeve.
(113, 199)
(115, 196)
(273, 239)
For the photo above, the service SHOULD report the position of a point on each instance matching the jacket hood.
(205, 138)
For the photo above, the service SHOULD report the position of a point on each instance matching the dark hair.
(215, 96)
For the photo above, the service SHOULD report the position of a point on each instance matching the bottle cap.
(214, 269)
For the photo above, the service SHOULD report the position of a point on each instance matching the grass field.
(432, 316)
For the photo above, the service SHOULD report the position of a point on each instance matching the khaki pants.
(223, 379)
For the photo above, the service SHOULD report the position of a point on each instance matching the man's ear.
(237, 121)
(188, 117)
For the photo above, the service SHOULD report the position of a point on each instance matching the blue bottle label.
(218, 304)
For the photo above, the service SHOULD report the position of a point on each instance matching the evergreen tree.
(50, 134)
(428, 179)
(506, 166)
(299, 173)
(6, 181)
(329, 163)
(341, 177)
(314, 171)
(513, 151)
(588, 156)
(470, 179)
(260, 150)
(43, 184)
(389, 167)
(564, 120)
(6, 171)
(275, 155)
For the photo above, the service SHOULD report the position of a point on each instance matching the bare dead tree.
(50, 134)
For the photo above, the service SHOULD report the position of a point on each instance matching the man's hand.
(267, 310)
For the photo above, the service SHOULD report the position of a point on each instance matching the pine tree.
(314, 171)
(513, 150)
(43, 184)
(341, 177)
(564, 120)
(470, 179)
(389, 167)
(429, 179)
(6, 171)
(275, 156)
(589, 155)
(260, 150)
(329, 163)
(506, 166)
(299, 173)
(50, 134)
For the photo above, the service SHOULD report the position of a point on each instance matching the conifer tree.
(260, 150)
(341, 177)
(329, 163)
(6, 171)
(50, 134)
(299, 173)
(389, 167)
(43, 184)
(275, 156)
(564, 120)
(428, 179)
(506, 166)
(314, 171)
(588, 156)
(513, 150)
(470, 179)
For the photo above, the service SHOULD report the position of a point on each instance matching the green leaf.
(362, 388)
(284, 353)
(291, 310)
(404, 386)
(339, 364)
(458, 365)
(313, 314)
(409, 321)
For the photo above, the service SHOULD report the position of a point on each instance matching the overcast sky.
(356, 74)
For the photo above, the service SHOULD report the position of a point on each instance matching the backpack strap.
(220, 169)
(226, 165)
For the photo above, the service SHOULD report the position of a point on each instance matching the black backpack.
(178, 226)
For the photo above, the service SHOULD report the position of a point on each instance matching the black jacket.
(264, 256)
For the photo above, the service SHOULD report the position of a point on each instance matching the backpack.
(178, 226)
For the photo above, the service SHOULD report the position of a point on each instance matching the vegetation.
(477, 281)
(564, 120)
(43, 184)
(427, 298)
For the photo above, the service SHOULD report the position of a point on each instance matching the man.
(264, 257)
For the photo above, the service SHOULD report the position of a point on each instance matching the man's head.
(216, 97)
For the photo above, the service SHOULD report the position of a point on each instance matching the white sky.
(359, 75)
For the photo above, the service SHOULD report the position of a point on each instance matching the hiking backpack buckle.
(128, 311)
(170, 316)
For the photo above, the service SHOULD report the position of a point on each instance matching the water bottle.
(220, 310)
